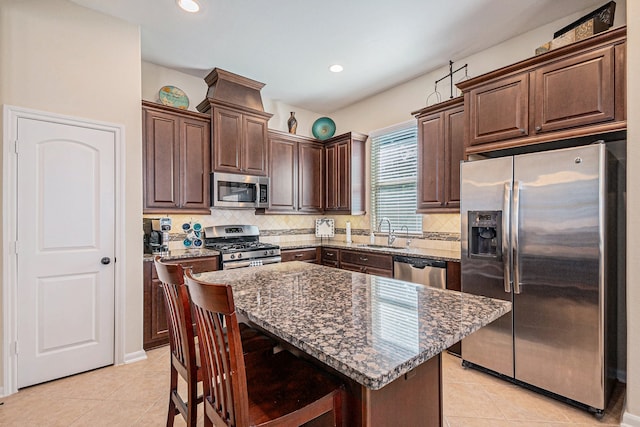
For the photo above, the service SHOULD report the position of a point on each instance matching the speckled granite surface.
(372, 329)
(183, 254)
(436, 254)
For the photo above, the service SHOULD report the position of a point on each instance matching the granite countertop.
(436, 254)
(371, 329)
(183, 254)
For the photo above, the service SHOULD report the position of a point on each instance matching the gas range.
(239, 246)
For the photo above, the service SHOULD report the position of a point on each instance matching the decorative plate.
(173, 97)
(323, 128)
(325, 227)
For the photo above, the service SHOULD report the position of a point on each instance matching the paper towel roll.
(348, 232)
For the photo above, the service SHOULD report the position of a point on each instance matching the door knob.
(106, 260)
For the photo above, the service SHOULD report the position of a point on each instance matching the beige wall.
(632, 416)
(60, 57)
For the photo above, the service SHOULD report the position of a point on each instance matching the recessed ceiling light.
(336, 68)
(189, 5)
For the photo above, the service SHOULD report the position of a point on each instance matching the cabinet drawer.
(198, 265)
(379, 261)
(306, 254)
(331, 257)
(367, 269)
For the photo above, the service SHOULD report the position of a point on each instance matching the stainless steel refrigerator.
(544, 231)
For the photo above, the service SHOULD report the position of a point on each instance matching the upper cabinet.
(574, 91)
(345, 184)
(176, 160)
(239, 132)
(296, 169)
(440, 151)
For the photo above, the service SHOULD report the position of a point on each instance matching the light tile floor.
(136, 395)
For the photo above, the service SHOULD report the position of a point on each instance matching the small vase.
(292, 123)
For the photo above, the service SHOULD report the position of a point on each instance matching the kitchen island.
(382, 336)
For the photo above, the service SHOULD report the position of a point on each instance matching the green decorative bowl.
(323, 128)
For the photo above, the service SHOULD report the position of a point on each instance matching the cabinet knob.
(298, 255)
(522, 130)
(538, 128)
(362, 258)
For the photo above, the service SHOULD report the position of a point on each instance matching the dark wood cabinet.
(311, 255)
(330, 257)
(155, 331)
(345, 184)
(440, 150)
(569, 93)
(239, 123)
(176, 160)
(239, 141)
(296, 169)
(500, 110)
(577, 91)
(367, 262)
(454, 284)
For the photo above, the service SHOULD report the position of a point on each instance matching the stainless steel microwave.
(229, 190)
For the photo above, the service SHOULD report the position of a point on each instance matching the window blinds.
(393, 178)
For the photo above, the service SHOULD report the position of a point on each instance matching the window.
(394, 167)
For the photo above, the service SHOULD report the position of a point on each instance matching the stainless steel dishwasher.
(420, 270)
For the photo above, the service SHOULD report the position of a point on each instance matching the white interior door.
(65, 228)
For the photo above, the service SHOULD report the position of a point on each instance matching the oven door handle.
(247, 263)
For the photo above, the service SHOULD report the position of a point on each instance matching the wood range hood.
(231, 90)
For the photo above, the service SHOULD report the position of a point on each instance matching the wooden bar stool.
(280, 390)
(185, 355)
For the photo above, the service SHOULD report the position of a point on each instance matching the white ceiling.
(289, 44)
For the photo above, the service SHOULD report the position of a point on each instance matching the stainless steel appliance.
(229, 190)
(153, 236)
(240, 246)
(544, 231)
(420, 270)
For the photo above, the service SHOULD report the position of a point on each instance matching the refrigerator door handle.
(506, 238)
(514, 233)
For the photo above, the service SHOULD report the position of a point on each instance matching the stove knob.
(266, 253)
(271, 252)
(232, 256)
(239, 255)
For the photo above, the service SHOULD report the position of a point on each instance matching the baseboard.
(630, 420)
(136, 356)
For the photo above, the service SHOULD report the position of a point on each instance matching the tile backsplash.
(440, 231)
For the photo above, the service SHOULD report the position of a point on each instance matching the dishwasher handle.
(419, 262)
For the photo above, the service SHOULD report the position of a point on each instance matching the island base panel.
(415, 399)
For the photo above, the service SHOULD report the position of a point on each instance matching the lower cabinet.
(311, 255)
(367, 262)
(155, 331)
(330, 257)
(454, 284)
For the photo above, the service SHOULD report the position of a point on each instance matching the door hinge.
(15, 146)
(15, 348)
(15, 247)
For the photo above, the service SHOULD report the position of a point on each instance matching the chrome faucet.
(407, 238)
(391, 238)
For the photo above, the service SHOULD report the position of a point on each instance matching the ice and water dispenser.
(485, 234)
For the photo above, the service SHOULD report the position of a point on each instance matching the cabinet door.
(431, 162)
(574, 92)
(227, 140)
(310, 177)
(330, 257)
(254, 153)
(499, 110)
(283, 159)
(343, 176)
(331, 188)
(194, 164)
(161, 160)
(453, 154)
(155, 318)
